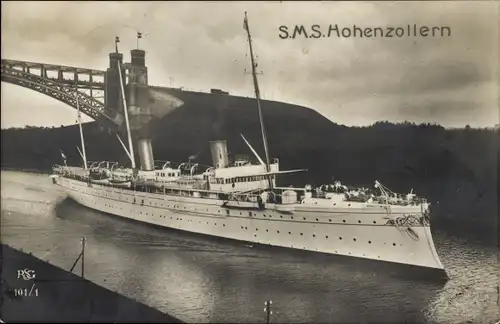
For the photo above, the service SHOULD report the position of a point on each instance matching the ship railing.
(246, 196)
(363, 197)
(275, 196)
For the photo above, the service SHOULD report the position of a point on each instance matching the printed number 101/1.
(26, 292)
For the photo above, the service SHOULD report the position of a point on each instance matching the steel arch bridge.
(90, 92)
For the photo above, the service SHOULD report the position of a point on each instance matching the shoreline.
(35, 290)
(27, 170)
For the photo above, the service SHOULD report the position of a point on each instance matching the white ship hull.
(340, 231)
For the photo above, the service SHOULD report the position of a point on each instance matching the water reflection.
(199, 279)
(202, 277)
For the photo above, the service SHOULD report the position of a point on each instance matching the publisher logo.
(26, 274)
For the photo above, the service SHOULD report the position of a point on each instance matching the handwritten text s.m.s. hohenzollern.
(355, 31)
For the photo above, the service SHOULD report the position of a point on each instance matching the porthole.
(257, 229)
(278, 232)
(301, 233)
(343, 220)
(354, 239)
(267, 230)
(289, 232)
(316, 219)
(340, 238)
(359, 222)
(374, 222)
(314, 235)
(281, 216)
(304, 218)
(348, 206)
(326, 236)
(330, 220)
(394, 244)
(369, 242)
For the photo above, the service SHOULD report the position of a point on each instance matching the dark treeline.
(456, 169)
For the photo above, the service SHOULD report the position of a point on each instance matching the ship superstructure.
(239, 199)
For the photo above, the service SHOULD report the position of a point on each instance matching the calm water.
(199, 279)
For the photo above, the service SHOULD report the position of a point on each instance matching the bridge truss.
(87, 84)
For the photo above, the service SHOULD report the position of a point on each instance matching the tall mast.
(125, 110)
(79, 117)
(257, 96)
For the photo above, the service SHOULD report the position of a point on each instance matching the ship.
(238, 198)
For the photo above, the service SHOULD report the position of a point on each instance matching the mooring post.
(268, 310)
(83, 256)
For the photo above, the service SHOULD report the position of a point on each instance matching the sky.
(449, 80)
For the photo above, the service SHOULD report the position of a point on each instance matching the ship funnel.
(220, 157)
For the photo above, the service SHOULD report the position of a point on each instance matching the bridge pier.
(138, 108)
(112, 92)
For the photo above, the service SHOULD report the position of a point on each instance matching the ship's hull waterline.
(361, 235)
